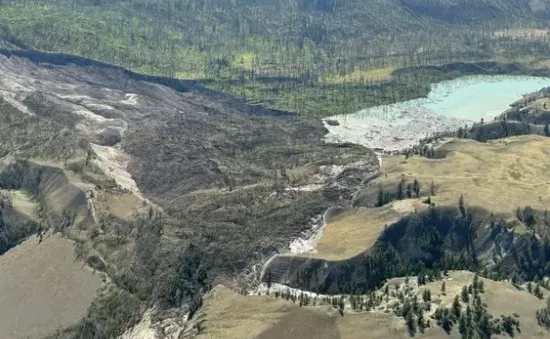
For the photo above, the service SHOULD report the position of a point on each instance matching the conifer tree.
(537, 292)
(341, 306)
(465, 295)
(416, 188)
(463, 325)
(427, 295)
(411, 326)
(381, 196)
(409, 190)
(476, 282)
(446, 322)
(400, 192)
(461, 206)
(456, 307)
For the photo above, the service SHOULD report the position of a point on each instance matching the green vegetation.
(474, 321)
(100, 322)
(413, 313)
(312, 57)
(234, 181)
(543, 316)
(419, 244)
(405, 190)
(433, 242)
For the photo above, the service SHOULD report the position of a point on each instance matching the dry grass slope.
(45, 288)
(229, 315)
(498, 176)
(502, 298)
(355, 230)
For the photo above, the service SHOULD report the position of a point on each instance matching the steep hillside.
(165, 187)
(473, 206)
(469, 208)
(532, 108)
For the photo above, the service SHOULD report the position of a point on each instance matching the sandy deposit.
(391, 129)
(113, 162)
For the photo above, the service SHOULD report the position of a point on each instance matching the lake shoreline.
(449, 105)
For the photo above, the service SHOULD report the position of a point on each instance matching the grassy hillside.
(484, 211)
(357, 229)
(477, 171)
(313, 57)
(45, 284)
(227, 314)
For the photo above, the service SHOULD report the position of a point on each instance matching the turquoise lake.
(479, 97)
(450, 104)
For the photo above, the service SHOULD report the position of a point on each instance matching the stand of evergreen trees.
(543, 316)
(471, 315)
(404, 190)
(429, 243)
(425, 243)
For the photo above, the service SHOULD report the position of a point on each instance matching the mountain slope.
(297, 55)
(166, 187)
(498, 183)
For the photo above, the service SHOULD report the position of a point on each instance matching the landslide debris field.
(165, 187)
(151, 206)
(169, 191)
